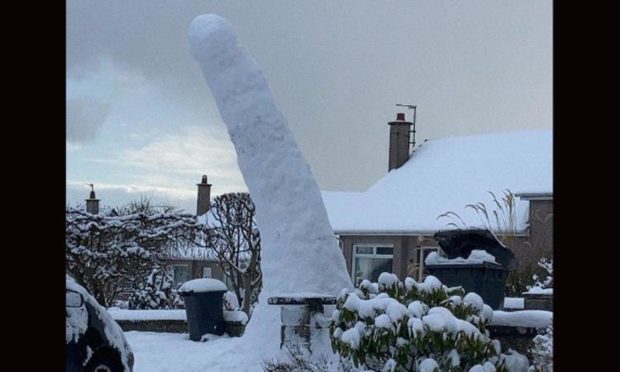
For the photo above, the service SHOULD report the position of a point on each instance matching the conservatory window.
(371, 260)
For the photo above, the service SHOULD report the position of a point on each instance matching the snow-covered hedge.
(544, 280)
(542, 352)
(411, 326)
(155, 292)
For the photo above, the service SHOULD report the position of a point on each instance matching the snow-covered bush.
(411, 326)
(542, 352)
(295, 360)
(156, 292)
(544, 279)
(113, 251)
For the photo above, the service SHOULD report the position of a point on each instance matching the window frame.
(374, 254)
(189, 273)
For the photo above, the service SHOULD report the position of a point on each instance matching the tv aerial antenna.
(414, 110)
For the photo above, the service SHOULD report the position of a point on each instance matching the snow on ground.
(174, 352)
(124, 314)
(299, 250)
(514, 303)
(523, 318)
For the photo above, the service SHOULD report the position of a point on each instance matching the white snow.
(474, 300)
(440, 319)
(487, 367)
(428, 365)
(417, 309)
(235, 316)
(415, 326)
(523, 318)
(476, 256)
(371, 287)
(383, 321)
(369, 308)
(396, 311)
(487, 313)
(124, 314)
(387, 279)
(410, 283)
(352, 337)
(539, 290)
(171, 352)
(299, 250)
(203, 285)
(445, 175)
(430, 284)
(514, 303)
(113, 332)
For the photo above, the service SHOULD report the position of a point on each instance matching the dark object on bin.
(487, 279)
(204, 305)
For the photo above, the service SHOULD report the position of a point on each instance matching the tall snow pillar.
(92, 203)
(204, 196)
(399, 141)
(299, 251)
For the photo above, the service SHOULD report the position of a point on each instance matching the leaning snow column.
(299, 250)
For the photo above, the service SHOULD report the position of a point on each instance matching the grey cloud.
(337, 68)
(85, 117)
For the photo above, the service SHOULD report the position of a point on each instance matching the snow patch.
(523, 318)
(203, 285)
(235, 316)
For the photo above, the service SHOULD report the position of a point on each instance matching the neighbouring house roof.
(445, 175)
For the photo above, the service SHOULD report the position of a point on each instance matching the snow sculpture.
(299, 251)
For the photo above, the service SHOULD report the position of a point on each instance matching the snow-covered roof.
(445, 175)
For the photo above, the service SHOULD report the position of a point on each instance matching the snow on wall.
(445, 175)
(299, 250)
(523, 318)
(124, 314)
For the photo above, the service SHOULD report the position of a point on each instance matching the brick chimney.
(204, 196)
(399, 141)
(92, 203)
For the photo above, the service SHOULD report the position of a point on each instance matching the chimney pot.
(400, 116)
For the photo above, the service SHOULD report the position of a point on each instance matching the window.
(180, 274)
(371, 260)
(206, 272)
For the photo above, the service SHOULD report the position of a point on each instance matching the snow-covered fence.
(174, 321)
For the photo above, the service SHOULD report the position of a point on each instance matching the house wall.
(404, 249)
(528, 248)
(541, 224)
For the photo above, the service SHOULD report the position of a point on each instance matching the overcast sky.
(141, 120)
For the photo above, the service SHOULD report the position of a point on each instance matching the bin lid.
(202, 285)
(460, 243)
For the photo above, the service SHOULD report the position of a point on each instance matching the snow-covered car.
(94, 341)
